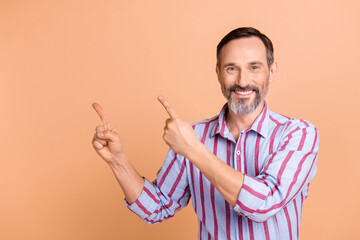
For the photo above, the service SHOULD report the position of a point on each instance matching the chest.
(249, 155)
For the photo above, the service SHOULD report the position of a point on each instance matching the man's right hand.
(106, 141)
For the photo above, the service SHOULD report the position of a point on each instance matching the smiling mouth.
(244, 93)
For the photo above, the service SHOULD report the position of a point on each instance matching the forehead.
(243, 50)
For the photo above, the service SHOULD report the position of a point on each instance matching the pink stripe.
(277, 225)
(202, 199)
(255, 179)
(274, 120)
(158, 221)
(288, 124)
(227, 209)
(151, 195)
(281, 171)
(227, 219)
(222, 129)
(228, 152)
(192, 181)
(282, 168)
(262, 119)
(167, 171)
(253, 192)
(289, 118)
(288, 221)
(142, 207)
(177, 179)
(302, 200)
(251, 230)
(297, 218)
(245, 167)
(266, 230)
(201, 178)
(245, 208)
(216, 139)
(193, 185)
(240, 227)
(205, 133)
(302, 141)
(207, 122)
(269, 163)
(257, 147)
(238, 157)
(257, 144)
(182, 196)
(289, 136)
(168, 206)
(304, 122)
(216, 128)
(212, 194)
(272, 138)
(214, 211)
(171, 202)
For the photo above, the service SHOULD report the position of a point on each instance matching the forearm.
(129, 179)
(224, 178)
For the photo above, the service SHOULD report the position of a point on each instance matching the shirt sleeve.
(169, 193)
(288, 171)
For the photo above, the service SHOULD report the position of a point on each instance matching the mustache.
(236, 87)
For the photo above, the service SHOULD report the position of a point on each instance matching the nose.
(242, 79)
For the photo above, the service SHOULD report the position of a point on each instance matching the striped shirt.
(277, 156)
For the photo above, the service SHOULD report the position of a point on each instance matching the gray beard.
(239, 106)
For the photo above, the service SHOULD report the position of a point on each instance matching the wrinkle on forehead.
(244, 51)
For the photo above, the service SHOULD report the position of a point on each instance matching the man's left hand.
(178, 134)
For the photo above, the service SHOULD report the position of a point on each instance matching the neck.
(239, 122)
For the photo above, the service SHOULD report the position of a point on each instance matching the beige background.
(57, 57)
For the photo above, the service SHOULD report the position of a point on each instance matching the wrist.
(119, 160)
(195, 151)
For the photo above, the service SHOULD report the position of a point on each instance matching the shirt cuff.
(144, 206)
(252, 196)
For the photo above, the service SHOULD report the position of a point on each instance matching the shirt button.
(238, 152)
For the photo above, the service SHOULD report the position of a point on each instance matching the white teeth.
(243, 93)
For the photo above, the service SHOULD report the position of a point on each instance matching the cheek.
(228, 80)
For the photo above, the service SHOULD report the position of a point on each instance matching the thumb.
(110, 136)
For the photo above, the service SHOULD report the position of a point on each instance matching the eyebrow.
(251, 64)
(229, 64)
(256, 63)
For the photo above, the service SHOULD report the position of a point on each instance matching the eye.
(231, 69)
(254, 67)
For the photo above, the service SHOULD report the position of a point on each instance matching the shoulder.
(205, 126)
(293, 131)
(289, 123)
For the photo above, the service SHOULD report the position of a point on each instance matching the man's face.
(244, 75)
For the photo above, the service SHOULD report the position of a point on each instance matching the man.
(248, 169)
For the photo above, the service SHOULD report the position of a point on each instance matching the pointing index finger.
(103, 116)
(167, 107)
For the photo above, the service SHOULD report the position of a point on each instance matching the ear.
(217, 72)
(273, 70)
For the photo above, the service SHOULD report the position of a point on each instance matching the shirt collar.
(258, 126)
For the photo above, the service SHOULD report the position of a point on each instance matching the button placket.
(238, 154)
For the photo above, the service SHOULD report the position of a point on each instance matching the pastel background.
(57, 57)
